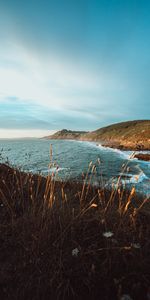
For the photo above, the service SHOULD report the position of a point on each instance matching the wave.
(54, 170)
(137, 178)
(127, 179)
(125, 154)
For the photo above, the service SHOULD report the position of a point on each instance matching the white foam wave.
(134, 179)
(128, 179)
(138, 178)
(54, 169)
(125, 154)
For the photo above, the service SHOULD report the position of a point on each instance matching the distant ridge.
(132, 135)
(67, 134)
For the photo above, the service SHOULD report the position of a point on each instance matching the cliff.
(131, 135)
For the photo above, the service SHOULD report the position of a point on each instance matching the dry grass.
(67, 240)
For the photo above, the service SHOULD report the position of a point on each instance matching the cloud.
(17, 113)
(69, 67)
(52, 79)
(50, 92)
(45, 79)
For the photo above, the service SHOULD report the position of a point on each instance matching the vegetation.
(67, 240)
(134, 135)
(127, 135)
(67, 134)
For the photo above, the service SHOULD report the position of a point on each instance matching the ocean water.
(71, 159)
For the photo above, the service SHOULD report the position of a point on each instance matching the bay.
(71, 159)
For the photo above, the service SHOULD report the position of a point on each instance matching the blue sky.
(76, 64)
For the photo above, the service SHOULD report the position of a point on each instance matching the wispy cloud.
(45, 88)
(73, 65)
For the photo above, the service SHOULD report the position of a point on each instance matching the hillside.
(129, 135)
(67, 134)
(134, 135)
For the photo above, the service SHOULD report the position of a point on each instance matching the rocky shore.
(126, 146)
(131, 135)
(142, 156)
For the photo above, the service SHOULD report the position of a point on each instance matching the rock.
(142, 156)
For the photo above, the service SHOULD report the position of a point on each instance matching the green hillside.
(131, 134)
(134, 135)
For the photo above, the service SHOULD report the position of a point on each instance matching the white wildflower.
(108, 234)
(2, 205)
(93, 205)
(75, 252)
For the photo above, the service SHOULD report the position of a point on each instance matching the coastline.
(121, 145)
(129, 135)
(140, 155)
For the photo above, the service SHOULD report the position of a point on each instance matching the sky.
(75, 64)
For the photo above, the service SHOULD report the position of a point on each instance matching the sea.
(76, 160)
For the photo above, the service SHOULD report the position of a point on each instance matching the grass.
(69, 240)
(131, 135)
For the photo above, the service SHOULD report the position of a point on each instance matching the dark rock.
(142, 156)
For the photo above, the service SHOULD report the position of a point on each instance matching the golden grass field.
(70, 240)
